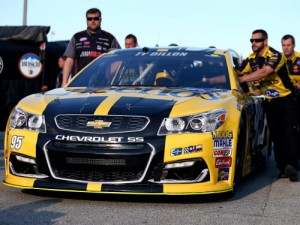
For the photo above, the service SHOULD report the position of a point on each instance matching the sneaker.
(291, 172)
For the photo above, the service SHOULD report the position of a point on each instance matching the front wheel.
(240, 152)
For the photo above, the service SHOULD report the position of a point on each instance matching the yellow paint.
(19, 181)
(106, 105)
(29, 142)
(93, 187)
(197, 187)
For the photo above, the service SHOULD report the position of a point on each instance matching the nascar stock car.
(171, 121)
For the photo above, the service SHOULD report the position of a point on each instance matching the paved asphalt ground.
(261, 200)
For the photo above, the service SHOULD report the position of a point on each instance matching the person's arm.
(67, 70)
(217, 79)
(257, 75)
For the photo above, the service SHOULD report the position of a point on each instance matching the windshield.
(192, 69)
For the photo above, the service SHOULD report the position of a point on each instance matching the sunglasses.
(93, 18)
(257, 40)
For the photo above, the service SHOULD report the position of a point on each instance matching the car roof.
(172, 49)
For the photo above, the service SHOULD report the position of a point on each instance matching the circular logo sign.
(1, 65)
(30, 65)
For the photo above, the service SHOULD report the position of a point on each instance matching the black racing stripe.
(142, 106)
(141, 188)
(77, 105)
(59, 185)
(86, 105)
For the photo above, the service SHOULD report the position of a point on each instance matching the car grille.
(110, 124)
(106, 163)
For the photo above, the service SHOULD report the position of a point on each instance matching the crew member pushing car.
(267, 66)
(292, 57)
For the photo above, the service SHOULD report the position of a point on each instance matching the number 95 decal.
(16, 142)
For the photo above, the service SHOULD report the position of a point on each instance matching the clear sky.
(193, 23)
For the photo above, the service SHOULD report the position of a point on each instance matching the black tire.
(240, 153)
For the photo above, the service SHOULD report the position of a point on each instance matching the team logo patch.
(30, 65)
(223, 174)
(272, 93)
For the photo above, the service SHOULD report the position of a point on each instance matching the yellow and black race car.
(171, 121)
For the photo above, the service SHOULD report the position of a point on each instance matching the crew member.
(86, 45)
(267, 66)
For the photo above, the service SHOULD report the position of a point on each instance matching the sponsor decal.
(98, 139)
(223, 134)
(192, 149)
(223, 174)
(86, 43)
(272, 93)
(176, 151)
(222, 143)
(222, 153)
(168, 92)
(223, 162)
(98, 124)
(83, 39)
(16, 142)
(30, 65)
(296, 69)
(174, 54)
(90, 54)
(1, 65)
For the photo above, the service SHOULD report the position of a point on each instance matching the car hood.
(124, 100)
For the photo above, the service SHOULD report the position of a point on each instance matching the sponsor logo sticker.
(223, 174)
(193, 149)
(223, 142)
(176, 151)
(223, 162)
(221, 153)
(222, 134)
(30, 65)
